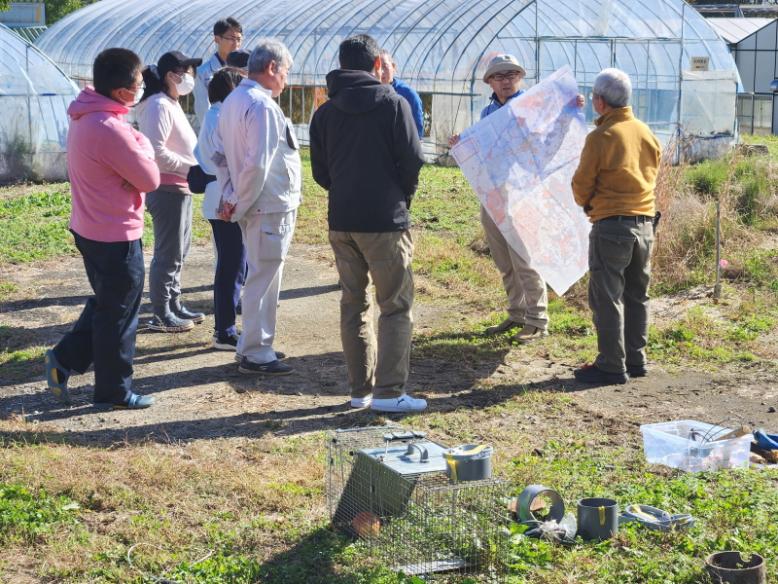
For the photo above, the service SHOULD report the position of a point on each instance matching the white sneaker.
(362, 402)
(404, 403)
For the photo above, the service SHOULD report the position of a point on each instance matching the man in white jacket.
(228, 37)
(260, 179)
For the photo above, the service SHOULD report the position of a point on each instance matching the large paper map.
(520, 161)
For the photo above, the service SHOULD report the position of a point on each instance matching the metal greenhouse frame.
(34, 96)
(441, 47)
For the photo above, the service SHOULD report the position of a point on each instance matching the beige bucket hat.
(502, 63)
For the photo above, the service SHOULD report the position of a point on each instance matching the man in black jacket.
(365, 151)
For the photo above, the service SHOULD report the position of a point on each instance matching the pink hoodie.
(111, 168)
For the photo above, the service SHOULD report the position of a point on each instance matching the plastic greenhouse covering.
(441, 48)
(34, 96)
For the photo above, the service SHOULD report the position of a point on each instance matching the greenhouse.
(684, 77)
(34, 96)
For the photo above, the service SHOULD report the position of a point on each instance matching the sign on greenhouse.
(520, 161)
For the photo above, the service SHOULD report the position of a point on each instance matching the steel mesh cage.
(416, 522)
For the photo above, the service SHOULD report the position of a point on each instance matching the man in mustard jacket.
(615, 184)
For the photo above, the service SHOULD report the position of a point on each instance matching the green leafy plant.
(25, 515)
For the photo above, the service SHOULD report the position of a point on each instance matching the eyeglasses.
(235, 39)
(511, 75)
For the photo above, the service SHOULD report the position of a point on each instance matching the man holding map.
(615, 184)
(524, 286)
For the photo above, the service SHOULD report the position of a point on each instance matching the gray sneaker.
(170, 323)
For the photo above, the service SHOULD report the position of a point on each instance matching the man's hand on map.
(580, 101)
(453, 140)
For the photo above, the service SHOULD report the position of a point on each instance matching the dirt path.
(200, 393)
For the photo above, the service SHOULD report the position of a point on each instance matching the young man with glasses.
(228, 37)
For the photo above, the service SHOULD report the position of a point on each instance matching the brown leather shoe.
(503, 327)
(529, 333)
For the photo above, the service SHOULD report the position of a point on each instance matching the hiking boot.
(225, 342)
(594, 375)
(529, 333)
(637, 370)
(362, 402)
(505, 326)
(184, 313)
(275, 368)
(57, 377)
(170, 323)
(403, 404)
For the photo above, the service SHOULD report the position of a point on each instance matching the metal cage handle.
(424, 456)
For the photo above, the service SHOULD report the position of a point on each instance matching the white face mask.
(186, 85)
(138, 95)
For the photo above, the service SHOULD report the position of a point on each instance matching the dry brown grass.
(168, 498)
(684, 251)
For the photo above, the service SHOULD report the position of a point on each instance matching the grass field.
(253, 510)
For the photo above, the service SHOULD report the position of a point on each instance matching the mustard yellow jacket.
(618, 168)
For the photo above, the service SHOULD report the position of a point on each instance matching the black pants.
(105, 332)
(230, 274)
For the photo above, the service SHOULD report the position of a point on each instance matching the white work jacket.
(261, 172)
(204, 75)
(204, 152)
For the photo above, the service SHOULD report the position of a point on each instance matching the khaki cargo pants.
(620, 271)
(375, 365)
(526, 289)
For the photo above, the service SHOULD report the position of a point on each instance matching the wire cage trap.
(389, 487)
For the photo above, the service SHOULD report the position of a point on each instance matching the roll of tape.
(532, 492)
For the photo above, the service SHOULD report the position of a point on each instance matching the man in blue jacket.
(388, 69)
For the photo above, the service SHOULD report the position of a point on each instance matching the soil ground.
(200, 393)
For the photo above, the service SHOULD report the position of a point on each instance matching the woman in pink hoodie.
(111, 167)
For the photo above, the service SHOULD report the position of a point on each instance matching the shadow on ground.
(256, 424)
(313, 561)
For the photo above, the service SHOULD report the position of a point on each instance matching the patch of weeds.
(750, 326)
(19, 366)
(463, 346)
(222, 567)
(525, 555)
(7, 289)
(35, 226)
(761, 268)
(25, 515)
(699, 338)
(567, 320)
(709, 177)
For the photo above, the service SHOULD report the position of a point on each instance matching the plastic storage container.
(687, 444)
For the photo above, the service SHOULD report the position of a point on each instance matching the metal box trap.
(389, 487)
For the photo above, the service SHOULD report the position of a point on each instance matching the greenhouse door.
(652, 64)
